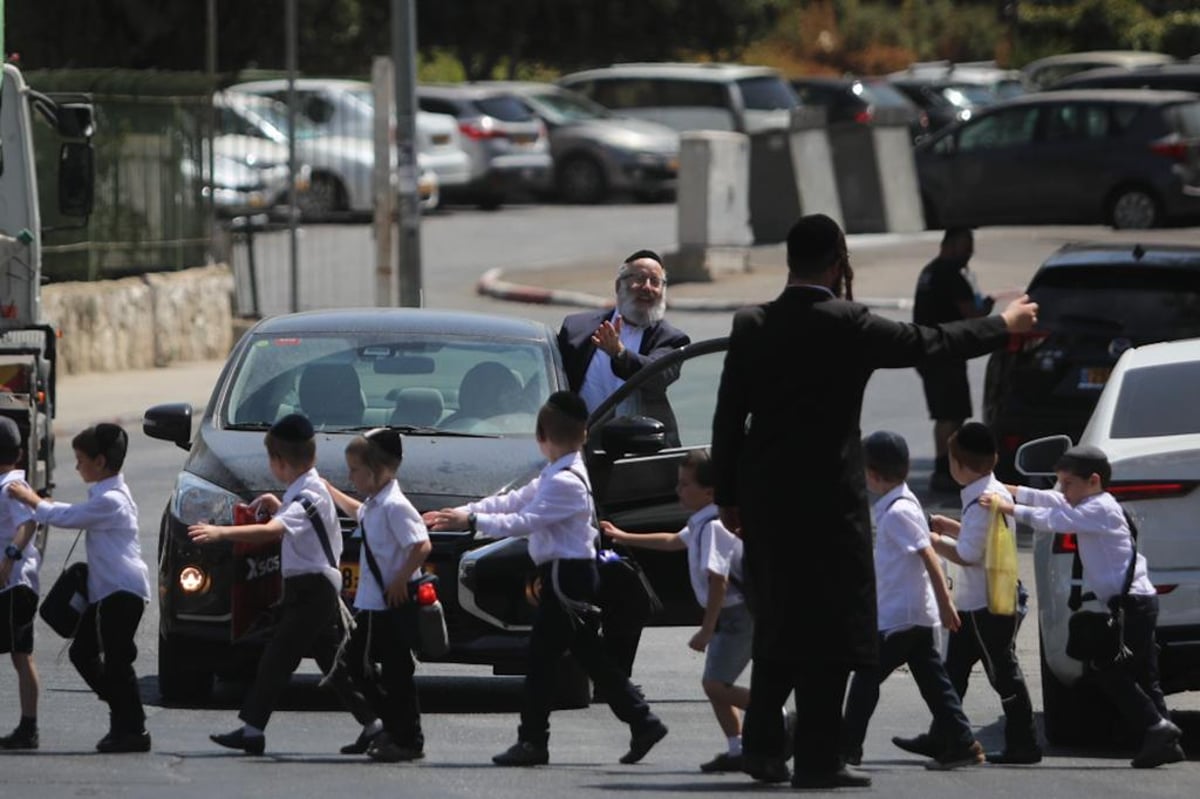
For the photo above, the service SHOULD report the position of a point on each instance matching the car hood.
(627, 133)
(438, 471)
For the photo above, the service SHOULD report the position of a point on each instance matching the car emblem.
(1118, 346)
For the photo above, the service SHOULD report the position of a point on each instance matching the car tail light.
(1175, 149)
(480, 129)
(1127, 492)
(864, 117)
(1065, 544)
(1026, 342)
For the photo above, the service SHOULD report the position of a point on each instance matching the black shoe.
(250, 744)
(384, 750)
(642, 742)
(124, 742)
(957, 757)
(769, 770)
(20, 738)
(852, 757)
(1161, 745)
(1016, 756)
(523, 753)
(842, 778)
(923, 744)
(722, 763)
(361, 744)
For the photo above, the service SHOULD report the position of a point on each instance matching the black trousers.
(103, 653)
(819, 690)
(914, 647)
(557, 630)
(309, 625)
(992, 639)
(379, 662)
(1132, 684)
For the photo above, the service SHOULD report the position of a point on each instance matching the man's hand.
(700, 640)
(1021, 314)
(446, 519)
(731, 518)
(608, 338)
(613, 532)
(990, 500)
(943, 525)
(949, 617)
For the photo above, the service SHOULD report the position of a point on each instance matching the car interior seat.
(421, 407)
(487, 389)
(330, 393)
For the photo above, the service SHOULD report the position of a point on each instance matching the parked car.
(1169, 77)
(1127, 158)
(597, 153)
(346, 109)
(506, 143)
(1146, 422)
(1043, 72)
(241, 185)
(691, 96)
(465, 389)
(859, 101)
(1095, 301)
(950, 92)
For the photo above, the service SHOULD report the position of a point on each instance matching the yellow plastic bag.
(1000, 563)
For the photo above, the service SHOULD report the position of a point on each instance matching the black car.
(465, 389)
(1123, 157)
(1164, 77)
(1095, 301)
(860, 101)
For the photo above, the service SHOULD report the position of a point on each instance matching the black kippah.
(651, 254)
(10, 436)
(886, 450)
(1084, 461)
(387, 439)
(976, 439)
(293, 427)
(108, 434)
(570, 403)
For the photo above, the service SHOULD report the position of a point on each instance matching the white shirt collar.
(705, 514)
(100, 486)
(974, 490)
(888, 498)
(815, 286)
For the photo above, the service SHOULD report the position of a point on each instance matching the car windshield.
(274, 115)
(878, 93)
(1157, 401)
(1141, 302)
(348, 381)
(561, 107)
(505, 108)
(766, 94)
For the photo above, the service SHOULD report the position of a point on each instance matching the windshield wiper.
(415, 430)
(249, 426)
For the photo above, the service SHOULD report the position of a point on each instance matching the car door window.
(1077, 122)
(436, 106)
(1011, 128)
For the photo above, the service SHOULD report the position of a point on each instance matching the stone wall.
(142, 322)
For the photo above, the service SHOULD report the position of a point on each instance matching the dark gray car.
(1127, 158)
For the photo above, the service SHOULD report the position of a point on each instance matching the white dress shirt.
(599, 381)
(903, 591)
(12, 515)
(394, 527)
(110, 517)
(554, 511)
(970, 589)
(712, 549)
(302, 552)
(1105, 543)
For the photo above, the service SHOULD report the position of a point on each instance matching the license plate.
(523, 138)
(441, 138)
(1093, 377)
(349, 579)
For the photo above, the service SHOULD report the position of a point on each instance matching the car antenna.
(1138, 252)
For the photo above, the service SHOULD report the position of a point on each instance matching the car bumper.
(520, 172)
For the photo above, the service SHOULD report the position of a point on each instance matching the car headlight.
(196, 500)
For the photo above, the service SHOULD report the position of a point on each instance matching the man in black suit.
(792, 482)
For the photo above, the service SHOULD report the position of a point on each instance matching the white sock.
(735, 745)
(251, 732)
(374, 728)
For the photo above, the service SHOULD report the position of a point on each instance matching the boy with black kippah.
(312, 622)
(984, 636)
(554, 511)
(1116, 573)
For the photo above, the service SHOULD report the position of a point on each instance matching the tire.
(324, 196)
(180, 680)
(572, 688)
(1075, 715)
(490, 201)
(1134, 208)
(581, 180)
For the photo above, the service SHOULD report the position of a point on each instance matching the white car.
(1147, 422)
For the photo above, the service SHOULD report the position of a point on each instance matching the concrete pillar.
(713, 205)
(812, 164)
(876, 175)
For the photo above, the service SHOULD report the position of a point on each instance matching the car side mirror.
(1037, 458)
(633, 435)
(170, 422)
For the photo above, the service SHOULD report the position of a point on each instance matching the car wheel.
(1074, 715)
(572, 688)
(179, 678)
(490, 201)
(324, 196)
(581, 180)
(1133, 208)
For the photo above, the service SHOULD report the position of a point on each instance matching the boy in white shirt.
(715, 565)
(912, 597)
(18, 588)
(984, 636)
(554, 511)
(1083, 506)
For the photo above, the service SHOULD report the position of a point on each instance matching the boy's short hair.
(886, 454)
(292, 441)
(974, 446)
(563, 419)
(378, 449)
(10, 441)
(699, 463)
(105, 439)
(1084, 461)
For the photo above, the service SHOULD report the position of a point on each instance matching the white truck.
(27, 341)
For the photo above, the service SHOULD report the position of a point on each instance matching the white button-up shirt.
(394, 527)
(554, 511)
(712, 549)
(12, 515)
(903, 592)
(970, 589)
(110, 517)
(1105, 543)
(301, 552)
(599, 381)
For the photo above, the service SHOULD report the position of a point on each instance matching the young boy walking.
(912, 597)
(1115, 572)
(554, 511)
(726, 634)
(18, 587)
(983, 635)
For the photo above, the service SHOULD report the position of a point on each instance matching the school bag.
(64, 603)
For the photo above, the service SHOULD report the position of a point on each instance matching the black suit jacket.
(575, 345)
(796, 369)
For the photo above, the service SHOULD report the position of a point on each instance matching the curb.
(492, 284)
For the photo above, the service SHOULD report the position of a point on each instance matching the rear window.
(766, 94)
(1156, 401)
(883, 95)
(1187, 119)
(504, 108)
(1120, 300)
